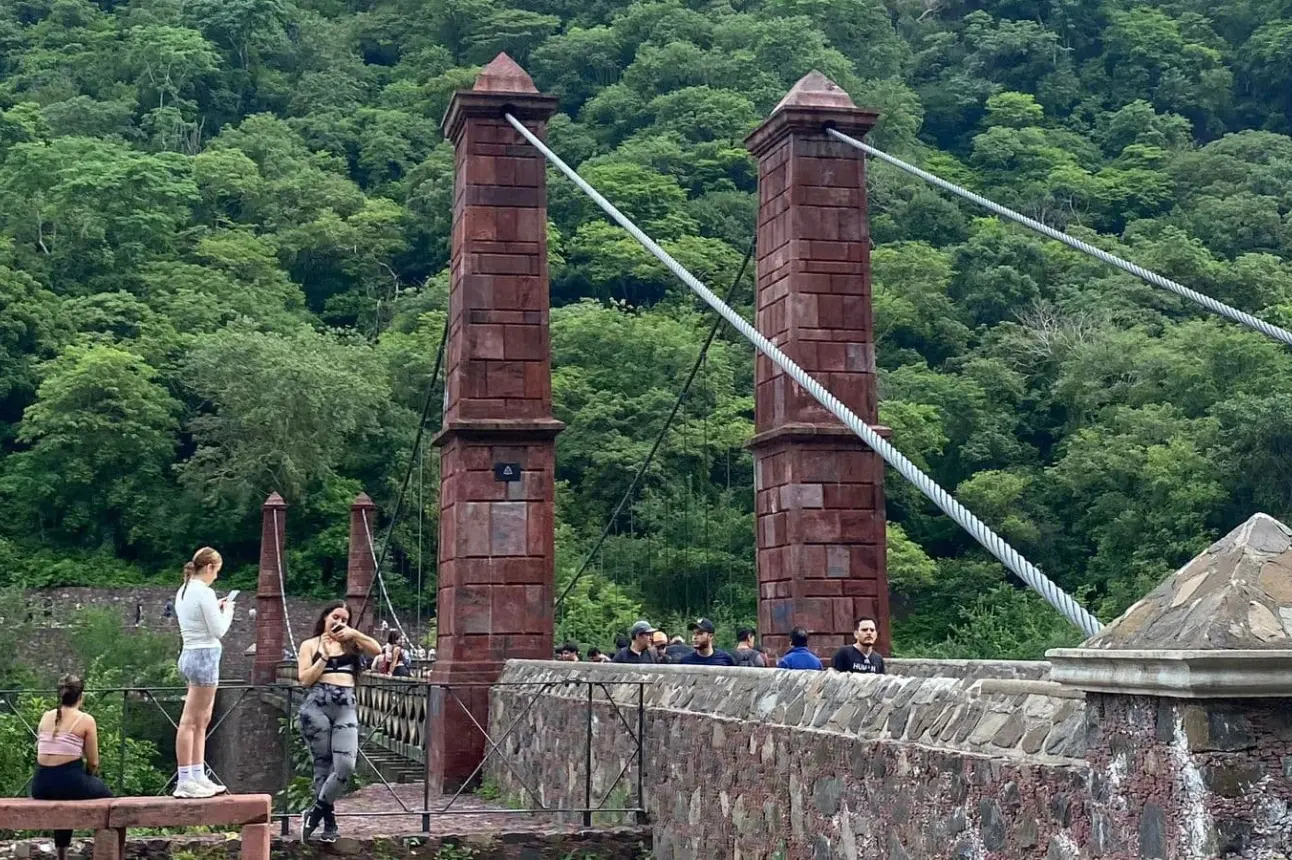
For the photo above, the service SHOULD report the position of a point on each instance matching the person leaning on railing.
(67, 754)
(329, 664)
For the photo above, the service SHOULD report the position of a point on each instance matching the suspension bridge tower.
(820, 490)
(497, 448)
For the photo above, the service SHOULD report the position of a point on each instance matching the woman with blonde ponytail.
(203, 621)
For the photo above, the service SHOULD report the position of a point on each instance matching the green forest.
(224, 228)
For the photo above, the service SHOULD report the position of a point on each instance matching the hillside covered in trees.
(224, 226)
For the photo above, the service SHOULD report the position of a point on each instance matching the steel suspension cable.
(421, 523)
(992, 542)
(1217, 307)
(659, 438)
(381, 582)
(408, 474)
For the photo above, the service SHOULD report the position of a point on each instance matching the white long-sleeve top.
(201, 623)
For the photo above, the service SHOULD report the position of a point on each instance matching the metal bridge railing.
(394, 717)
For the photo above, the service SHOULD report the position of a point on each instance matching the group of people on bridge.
(647, 645)
(328, 665)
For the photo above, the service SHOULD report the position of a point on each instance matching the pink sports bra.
(61, 743)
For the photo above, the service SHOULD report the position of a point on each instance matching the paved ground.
(468, 814)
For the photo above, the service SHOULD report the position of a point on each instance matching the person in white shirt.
(203, 621)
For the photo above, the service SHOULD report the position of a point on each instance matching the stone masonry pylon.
(820, 490)
(360, 566)
(269, 592)
(497, 448)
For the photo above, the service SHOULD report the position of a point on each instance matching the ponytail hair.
(202, 559)
(70, 690)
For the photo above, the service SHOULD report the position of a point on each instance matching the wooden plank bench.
(110, 818)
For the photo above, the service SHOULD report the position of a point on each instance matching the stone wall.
(51, 611)
(750, 763)
(608, 844)
(975, 670)
(1180, 778)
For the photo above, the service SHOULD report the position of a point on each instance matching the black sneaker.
(310, 820)
(330, 832)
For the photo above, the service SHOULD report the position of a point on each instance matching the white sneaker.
(205, 782)
(193, 790)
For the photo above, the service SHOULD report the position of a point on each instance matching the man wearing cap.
(702, 631)
(638, 649)
(659, 642)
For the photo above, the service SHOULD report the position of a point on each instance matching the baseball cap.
(701, 624)
(640, 628)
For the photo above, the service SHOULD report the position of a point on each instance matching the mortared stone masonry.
(820, 490)
(1166, 736)
(269, 592)
(496, 555)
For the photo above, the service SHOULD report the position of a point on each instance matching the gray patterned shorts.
(200, 667)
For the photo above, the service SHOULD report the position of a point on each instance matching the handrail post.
(121, 754)
(287, 761)
(587, 784)
(426, 761)
(641, 752)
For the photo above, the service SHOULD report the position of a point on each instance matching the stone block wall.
(964, 759)
(519, 844)
(748, 763)
(50, 612)
(1190, 778)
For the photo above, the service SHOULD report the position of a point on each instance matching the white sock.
(186, 773)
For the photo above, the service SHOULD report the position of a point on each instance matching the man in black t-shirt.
(860, 656)
(638, 649)
(702, 631)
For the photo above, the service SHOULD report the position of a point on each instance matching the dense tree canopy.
(224, 229)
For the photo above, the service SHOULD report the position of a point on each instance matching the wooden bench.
(110, 818)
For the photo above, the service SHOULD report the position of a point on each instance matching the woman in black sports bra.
(328, 665)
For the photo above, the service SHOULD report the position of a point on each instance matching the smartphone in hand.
(231, 596)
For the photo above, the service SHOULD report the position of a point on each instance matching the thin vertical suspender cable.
(282, 581)
(408, 474)
(380, 582)
(1217, 307)
(659, 439)
(992, 542)
(421, 522)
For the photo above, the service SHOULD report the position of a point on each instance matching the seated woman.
(65, 736)
(329, 666)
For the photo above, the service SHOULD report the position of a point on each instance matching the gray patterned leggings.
(329, 723)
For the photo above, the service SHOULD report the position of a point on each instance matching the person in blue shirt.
(799, 657)
(702, 631)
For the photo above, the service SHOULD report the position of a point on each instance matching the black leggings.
(67, 782)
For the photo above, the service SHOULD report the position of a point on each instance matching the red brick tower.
(820, 490)
(360, 566)
(269, 592)
(497, 457)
